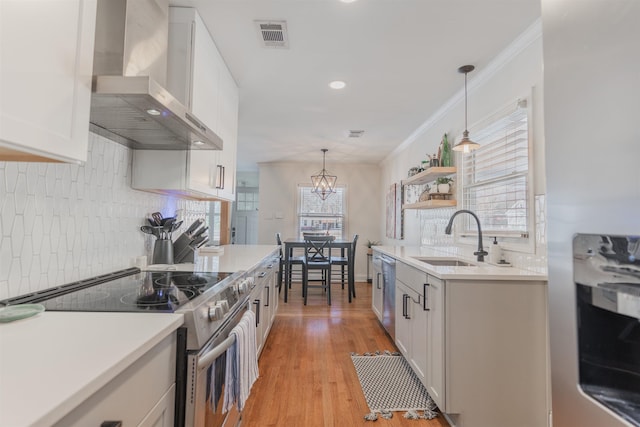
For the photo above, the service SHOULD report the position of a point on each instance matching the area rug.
(389, 384)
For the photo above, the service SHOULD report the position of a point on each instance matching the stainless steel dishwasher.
(389, 295)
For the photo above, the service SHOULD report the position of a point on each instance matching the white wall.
(278, 186)
(515, 73)
(592, 93)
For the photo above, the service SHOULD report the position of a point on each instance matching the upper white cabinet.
(46, 65)
(198, 77)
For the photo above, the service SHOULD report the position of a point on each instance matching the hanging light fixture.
(465, 145)
(324, 184)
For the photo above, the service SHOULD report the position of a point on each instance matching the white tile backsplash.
(434, 221)
(62, 222)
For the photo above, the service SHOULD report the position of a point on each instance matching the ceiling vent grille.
(355, 133)
(273, 34)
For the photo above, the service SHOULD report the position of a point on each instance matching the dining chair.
(317, 256)
(347, 261)
(293, 260)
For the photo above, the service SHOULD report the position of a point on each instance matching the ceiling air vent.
(355, 133)
(273, 34)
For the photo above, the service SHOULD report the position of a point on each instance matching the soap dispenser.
(495, 252)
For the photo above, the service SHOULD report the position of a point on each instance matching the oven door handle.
(208, 358)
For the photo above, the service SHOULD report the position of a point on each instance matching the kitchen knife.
(193, 227)
(199, 233)
(196, 242)
(202, 244)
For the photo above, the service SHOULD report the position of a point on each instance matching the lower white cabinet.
(435, 345)
(142, 395)
(412, 318)
(479, 346)
(264, 300)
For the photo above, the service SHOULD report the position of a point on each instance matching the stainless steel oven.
(206, 380)
(607, 286)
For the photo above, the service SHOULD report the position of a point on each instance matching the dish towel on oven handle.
(242, 363)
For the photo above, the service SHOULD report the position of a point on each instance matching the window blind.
(315, 214)
(496, 176)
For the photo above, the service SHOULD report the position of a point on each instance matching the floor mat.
(389, 384)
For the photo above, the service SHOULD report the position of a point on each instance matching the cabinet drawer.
(131, 395)
(411, 276)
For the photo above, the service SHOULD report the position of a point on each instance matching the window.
(247, 199)
(496, 178)
(315, 214)
(213, 214)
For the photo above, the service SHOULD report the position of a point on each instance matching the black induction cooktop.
(164, 291)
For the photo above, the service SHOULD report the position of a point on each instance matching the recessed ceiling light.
(337, 84)
(347, 1)
(153, 112)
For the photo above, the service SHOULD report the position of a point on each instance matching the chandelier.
(324, 184)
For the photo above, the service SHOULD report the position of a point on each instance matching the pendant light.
(465, 145)
(324, 184)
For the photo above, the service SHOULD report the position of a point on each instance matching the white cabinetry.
(495, 353)
(264, 300)
(435, 351)
(412, 317)
(198, 77)
(150, 381)
(46, 63)
(479, 346)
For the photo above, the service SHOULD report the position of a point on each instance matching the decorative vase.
(443, 188)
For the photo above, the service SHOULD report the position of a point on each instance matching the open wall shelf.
(429, 175)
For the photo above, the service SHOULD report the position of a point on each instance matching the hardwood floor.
(307, 378)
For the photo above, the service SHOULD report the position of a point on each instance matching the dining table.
(345, 250)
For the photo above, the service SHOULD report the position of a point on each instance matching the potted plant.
(443, 184)
(371, 243)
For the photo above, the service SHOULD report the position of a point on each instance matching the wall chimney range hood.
(129, 102)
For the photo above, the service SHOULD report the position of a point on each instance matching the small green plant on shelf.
(444, 180)
(443, 184)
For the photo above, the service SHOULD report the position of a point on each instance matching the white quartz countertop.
(481, 271)
(52, 362)
(228, 258)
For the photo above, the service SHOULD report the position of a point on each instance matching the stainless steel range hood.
(130, 103)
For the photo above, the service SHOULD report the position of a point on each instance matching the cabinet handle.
(268, 288)
(378, 280)
(111, 424)
(405, 306)
(220, 177)
(424, 297)
(257, 304)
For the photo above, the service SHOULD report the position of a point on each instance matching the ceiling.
(399, 59)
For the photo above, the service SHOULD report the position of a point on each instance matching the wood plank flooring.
(307, 378)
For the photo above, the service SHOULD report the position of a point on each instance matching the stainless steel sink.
(452, 262)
